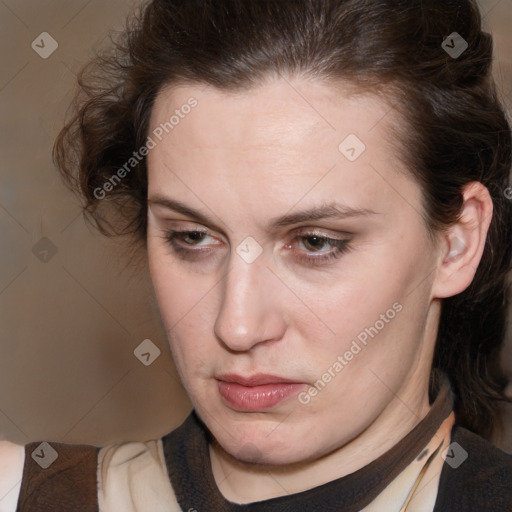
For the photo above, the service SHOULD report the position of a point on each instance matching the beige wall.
(69, 325)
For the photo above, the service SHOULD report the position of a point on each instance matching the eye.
(315, 243)
(319, 248)
(189, 244)
(310, 248)
(187, 237)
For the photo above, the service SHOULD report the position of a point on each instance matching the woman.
(321, 189)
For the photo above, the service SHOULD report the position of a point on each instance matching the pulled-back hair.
(455, 129)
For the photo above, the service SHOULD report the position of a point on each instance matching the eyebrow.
(331, 210)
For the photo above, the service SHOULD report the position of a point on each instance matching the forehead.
(284, 138)
(279, 114)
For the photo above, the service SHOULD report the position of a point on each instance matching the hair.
(456, 130)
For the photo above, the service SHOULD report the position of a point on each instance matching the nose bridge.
(249, 312)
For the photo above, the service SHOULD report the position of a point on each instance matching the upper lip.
(259, 379)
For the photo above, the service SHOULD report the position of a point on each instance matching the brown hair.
(457, 130)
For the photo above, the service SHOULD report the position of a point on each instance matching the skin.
(243, 159)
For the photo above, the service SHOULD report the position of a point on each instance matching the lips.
(257, 392)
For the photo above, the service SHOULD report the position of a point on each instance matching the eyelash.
(340, 247)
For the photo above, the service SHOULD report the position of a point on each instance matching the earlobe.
(464, 242)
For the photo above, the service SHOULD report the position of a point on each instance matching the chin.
(253, 444)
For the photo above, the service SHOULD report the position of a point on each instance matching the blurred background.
(72, 312)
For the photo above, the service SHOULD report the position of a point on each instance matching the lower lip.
(256, 398)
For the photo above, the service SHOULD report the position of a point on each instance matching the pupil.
(314, 241)
(195, 235)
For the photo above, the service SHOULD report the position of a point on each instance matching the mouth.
(256, 393)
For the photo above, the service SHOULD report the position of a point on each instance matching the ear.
(462, 245)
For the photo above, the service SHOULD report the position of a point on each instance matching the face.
(291, 265)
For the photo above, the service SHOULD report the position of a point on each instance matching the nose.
(251, 304)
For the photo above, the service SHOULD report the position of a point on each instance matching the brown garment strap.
(59, 477)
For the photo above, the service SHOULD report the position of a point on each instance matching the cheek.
(370, 302)
(355, 319)
(185, 307)
(178, 292)
(368, 282)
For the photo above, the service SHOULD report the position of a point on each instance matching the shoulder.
(131, 477)
(134, 477)
(57, 476)
(12, 458)
(476, 475)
